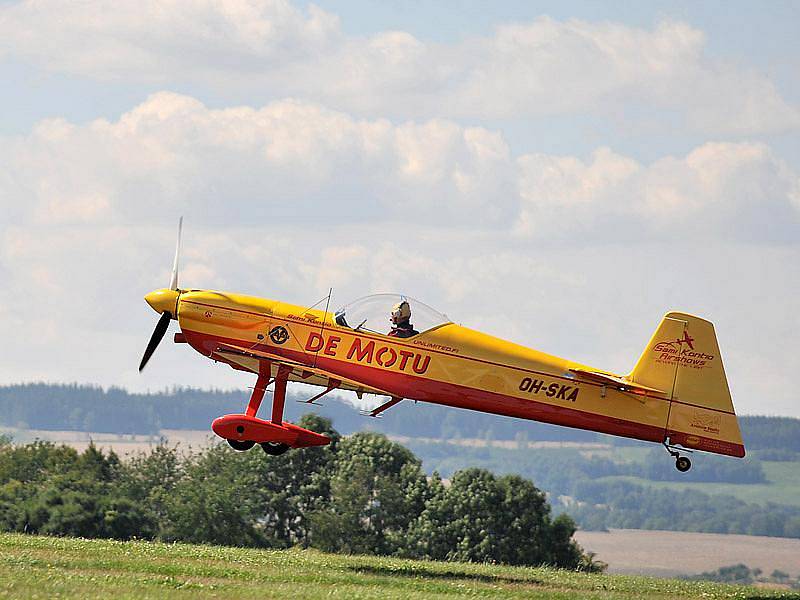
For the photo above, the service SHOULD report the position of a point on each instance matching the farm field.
(66, 567)
(121, 443)
(672, 553)
(782, 487)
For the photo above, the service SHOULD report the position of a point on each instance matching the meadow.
(49, 567)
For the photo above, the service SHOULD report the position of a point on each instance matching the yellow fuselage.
(449, 364)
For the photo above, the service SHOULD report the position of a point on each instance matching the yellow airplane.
(676, 395)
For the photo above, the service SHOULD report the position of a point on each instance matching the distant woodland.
(87, 408)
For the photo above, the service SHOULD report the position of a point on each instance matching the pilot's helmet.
(401, 312)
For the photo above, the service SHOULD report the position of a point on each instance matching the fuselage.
(448, 364)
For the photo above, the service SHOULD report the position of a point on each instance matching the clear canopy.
(372, 313)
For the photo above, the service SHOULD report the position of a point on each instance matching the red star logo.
(686, 339)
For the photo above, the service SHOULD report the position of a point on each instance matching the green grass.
(782, 487)
(42, 567)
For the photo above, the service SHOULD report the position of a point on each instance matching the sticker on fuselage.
(559, 391)
(369, 352)
(279, 335)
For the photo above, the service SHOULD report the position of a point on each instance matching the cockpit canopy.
(372, 313)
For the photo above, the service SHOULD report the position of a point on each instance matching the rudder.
(683, 360)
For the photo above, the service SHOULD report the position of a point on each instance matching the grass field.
(41, 567)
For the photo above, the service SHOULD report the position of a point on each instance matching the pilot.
(401, 321)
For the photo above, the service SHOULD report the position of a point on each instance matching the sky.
(557, 174)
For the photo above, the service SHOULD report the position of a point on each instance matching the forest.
(363, 495)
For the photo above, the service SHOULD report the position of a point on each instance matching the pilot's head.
(401, 313)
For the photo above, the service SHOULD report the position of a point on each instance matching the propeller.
(173, 281)
(155, 339)
(164, 301)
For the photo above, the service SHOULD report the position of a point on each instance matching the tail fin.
(683, 359)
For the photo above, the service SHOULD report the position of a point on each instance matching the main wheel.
(274, 448)
(683, 464)
(241, 445)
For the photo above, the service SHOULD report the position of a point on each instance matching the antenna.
(324, 320)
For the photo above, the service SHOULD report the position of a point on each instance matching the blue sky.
(599, 163)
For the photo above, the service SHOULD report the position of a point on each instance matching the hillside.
(67, 567)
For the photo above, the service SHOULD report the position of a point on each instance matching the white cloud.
(287, 158)
(728, 190)
(156, 39)
(272, 49)
(290, 161)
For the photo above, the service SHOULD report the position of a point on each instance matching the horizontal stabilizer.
(618, 383)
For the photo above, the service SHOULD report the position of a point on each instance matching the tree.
(35, 461)
(66, 505)
(148, 481)
(293, 486)
(347, 523)
(780, 576)
(215, 501)
(482, 518)
(460, 522)
(565, 551)
(377, 488)
(97, 465)
(12, 497)
(524, 523)
(123, 519)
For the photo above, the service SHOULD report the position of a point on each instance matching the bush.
(482, 518)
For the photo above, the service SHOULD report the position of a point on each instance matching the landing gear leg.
(252, 408)
(278, 402)
(258, 391)
(682, 463)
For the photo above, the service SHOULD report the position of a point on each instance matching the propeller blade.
(173, 282)
(155, 339)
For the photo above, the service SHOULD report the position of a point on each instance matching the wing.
(246, 359)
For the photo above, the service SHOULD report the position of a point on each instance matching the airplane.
(677, 393)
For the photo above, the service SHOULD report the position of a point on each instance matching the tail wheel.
(683, 464)
(274, 448)
(240, 445)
